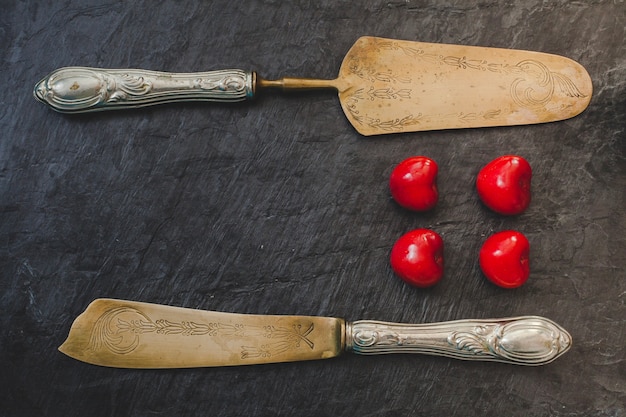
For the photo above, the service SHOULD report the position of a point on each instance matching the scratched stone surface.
(278, 206)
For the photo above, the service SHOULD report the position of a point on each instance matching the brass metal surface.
(398, 86)
(130, 334)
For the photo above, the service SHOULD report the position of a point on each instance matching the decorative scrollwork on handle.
(527, 340)
(81, 89)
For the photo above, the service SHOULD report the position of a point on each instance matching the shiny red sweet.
(504, 259)
(417, 257)
(413, 183)
(504, 184)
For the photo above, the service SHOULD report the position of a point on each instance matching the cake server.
(384, 86)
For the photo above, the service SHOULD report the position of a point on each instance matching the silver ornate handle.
(527, 340)
(81, 89)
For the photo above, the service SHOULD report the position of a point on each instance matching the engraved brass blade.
(129, 334)
(388, 86)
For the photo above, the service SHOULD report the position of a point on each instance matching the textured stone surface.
(278, 206)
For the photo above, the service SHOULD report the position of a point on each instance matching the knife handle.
(81, 89)
(526, 340)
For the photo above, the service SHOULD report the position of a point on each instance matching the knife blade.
(384, 86)
(130, 334)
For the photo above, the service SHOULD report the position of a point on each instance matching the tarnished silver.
(81, 89)
(526, 340)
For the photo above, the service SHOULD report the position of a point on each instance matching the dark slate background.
(279, 206)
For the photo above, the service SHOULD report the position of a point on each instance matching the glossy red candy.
(417, 257)
(413, 183)
(504, 259)
(504, 184)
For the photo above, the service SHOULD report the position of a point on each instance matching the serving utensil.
(384, 86)
(129, 334)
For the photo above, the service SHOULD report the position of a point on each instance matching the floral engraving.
(523, 89)
(469, 117)
(123, 87)
(410, 51)
(119, 330)
(233, 83)
(478, 342)
(371, 94)
(387, 93)
(372, 74)
(526, 93)
(289, 339)
(395, 124)
(481, 65)
(527, 340)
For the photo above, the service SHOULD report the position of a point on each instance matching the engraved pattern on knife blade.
(119, 330)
